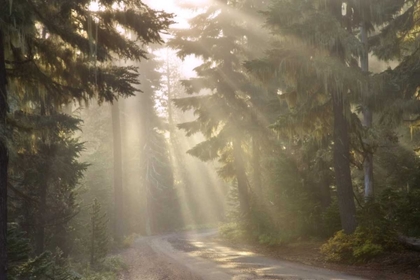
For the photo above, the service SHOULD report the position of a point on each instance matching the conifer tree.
(57, 52)
(359, 16)
(4, 161)
(99, 233)
(315, 64)
(46, 203)
(160, 196)
(119, 225)
(221, 37)
(313, 61)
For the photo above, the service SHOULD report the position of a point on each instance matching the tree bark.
(40, 227)
(43, 191)
(118, 186)
(241, 178)
(324, 186)
(256, 162)
(341, 156)
(4, 161)
(367, 115)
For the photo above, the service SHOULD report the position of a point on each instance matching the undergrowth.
(374, 236)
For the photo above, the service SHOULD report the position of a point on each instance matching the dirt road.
(193, 256)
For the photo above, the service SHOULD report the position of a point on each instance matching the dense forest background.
(300, 121)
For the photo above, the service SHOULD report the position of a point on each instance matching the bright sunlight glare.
(94, 6)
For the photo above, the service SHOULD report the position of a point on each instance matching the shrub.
(108, 269)
(353, 248)
(129, 240)
(373, 236)
(331, 221)
(270, 239)
(339, 248)
(113, 264)
(403, 209)
(233, 231)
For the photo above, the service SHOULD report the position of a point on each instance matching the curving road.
(193, 256)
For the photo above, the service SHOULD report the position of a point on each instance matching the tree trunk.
(40, 227)
(63, 241)
(4, 161)
(43, 191)
(92, 242)
(241, 178)
(324, 186)
(256, 163)
(118, 187)
(341, 150)
(367, 116)
(170, 109)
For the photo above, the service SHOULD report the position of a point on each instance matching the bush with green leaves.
(109, 269)
(402, 208)
(331, 222)
(22, 265)
(99, 234)
(374, 236)
(234, 231)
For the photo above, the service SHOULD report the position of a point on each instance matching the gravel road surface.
(193, 256)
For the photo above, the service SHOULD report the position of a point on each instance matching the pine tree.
(99, 234)
(119, 226)
(359, 15)
(4, 161)
(222, 40)
(46, 202)
(161, 198)
(315, 64)
(49, 61)
(311, 61)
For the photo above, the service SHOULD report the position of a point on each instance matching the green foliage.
(21, 264)
(402, 208)
(99, 234)
(129, 240)
(357, 247)
(53, 58)
(44, 267)
(291, 207)
(375, 235)
(270, 239)
(113, 264)
(109, 269)
(287, 211)
(234, 231)
(44, 175)
(331, 222)
(338, 248)
(18, 247)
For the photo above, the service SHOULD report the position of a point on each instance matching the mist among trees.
(300, 121)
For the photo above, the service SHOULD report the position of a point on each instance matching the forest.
(274, 121)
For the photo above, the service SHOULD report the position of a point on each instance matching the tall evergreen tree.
(162, 209)
(119, 226)
(315, 64)
(46, 203)
(55, 52)
(317, 48)
(99, 233)
(4, 161)
(221, 37)
(359, 17)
